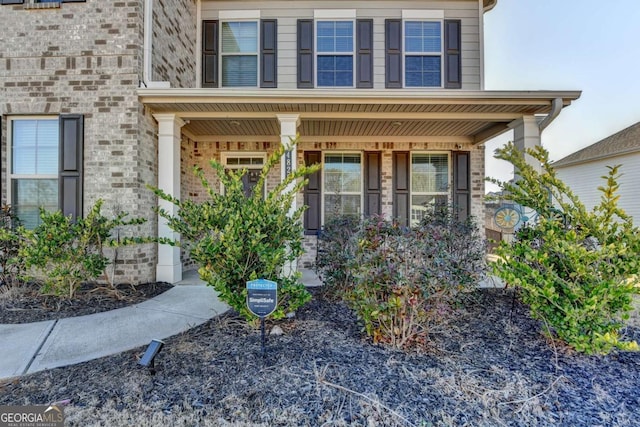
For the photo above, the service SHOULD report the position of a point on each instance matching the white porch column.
(527, 135)
(169, 267)
(288, 130)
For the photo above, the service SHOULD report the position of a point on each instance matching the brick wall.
(86, 58)
(174, 42)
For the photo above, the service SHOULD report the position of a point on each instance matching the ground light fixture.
(149, 356)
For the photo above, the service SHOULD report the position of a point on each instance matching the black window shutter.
(269, 53)
(393, 53)
(70, 169)
(312, 195)
(12, 2)
(461, 184)
(364, 53)
(372, 183)
(452, 52)
(305, 53)
(210, 54)
(401, 187)
(74, 1)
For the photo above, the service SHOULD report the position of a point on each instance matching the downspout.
(147, 50)
(556, 107)
(148, 39)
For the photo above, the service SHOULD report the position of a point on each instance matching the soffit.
(475, 115)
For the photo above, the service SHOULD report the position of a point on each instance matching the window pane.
(429, 173)
(342, 173)
(423, 37)
(335, 36)
(422, 71)
(35, 147)
(239, 37)
(421, 205)
(241, 70)
(341, 205)
(28, 195)
(335, 70)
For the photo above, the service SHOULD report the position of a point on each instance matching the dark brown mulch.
(490, 366)
(26, 304)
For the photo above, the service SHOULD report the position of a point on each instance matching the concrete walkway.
(32, 347)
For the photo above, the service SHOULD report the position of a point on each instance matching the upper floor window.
(33, 172)
(239, 53)
(335, 52)
(423, 53)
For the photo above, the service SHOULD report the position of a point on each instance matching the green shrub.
(64, 254)
(235, 238)
(12, 265)
(572, 266)
(336, 251)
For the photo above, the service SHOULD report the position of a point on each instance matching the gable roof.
(624, 142)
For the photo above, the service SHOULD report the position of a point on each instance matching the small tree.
(575, 268)
(235, 238)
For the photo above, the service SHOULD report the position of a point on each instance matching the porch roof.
(456, 116)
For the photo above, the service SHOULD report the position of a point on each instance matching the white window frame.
(412, 193)
(316, 54)
(423, 16)
(9, 154)
(224, 157)
(238, 17)
(323, 186)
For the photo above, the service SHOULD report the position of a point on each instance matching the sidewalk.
(32, 347)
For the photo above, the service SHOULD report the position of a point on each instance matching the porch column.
(169, 267)
(288, 131)
(527, 135)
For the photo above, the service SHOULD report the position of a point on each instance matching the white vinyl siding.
(287, 13)
(584, 179)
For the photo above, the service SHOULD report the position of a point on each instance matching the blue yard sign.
(262, 297)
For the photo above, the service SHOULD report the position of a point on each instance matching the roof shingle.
(624, 142)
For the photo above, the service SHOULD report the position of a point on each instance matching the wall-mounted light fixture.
(149, 356)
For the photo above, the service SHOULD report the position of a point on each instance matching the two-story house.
(102, 98)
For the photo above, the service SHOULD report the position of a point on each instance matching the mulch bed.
(26, 304)
(490, 366)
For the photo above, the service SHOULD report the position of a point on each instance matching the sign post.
(262, 300)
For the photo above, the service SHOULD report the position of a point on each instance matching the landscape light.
(149, 356)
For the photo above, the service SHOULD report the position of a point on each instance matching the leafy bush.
(573, 266)
(453, 252)
(64, 254)
(11, 263)
(403, 282)
(336, 251)
(236, 237)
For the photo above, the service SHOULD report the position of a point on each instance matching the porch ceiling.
(461, 115)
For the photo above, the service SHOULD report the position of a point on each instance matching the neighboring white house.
(583, 170)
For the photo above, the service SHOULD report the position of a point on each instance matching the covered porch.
(194, 124)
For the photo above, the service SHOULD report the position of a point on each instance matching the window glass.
(334, 43)
(423, 53)
(429, 183)
(239, 54)
(34, 168)
(342, 184)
